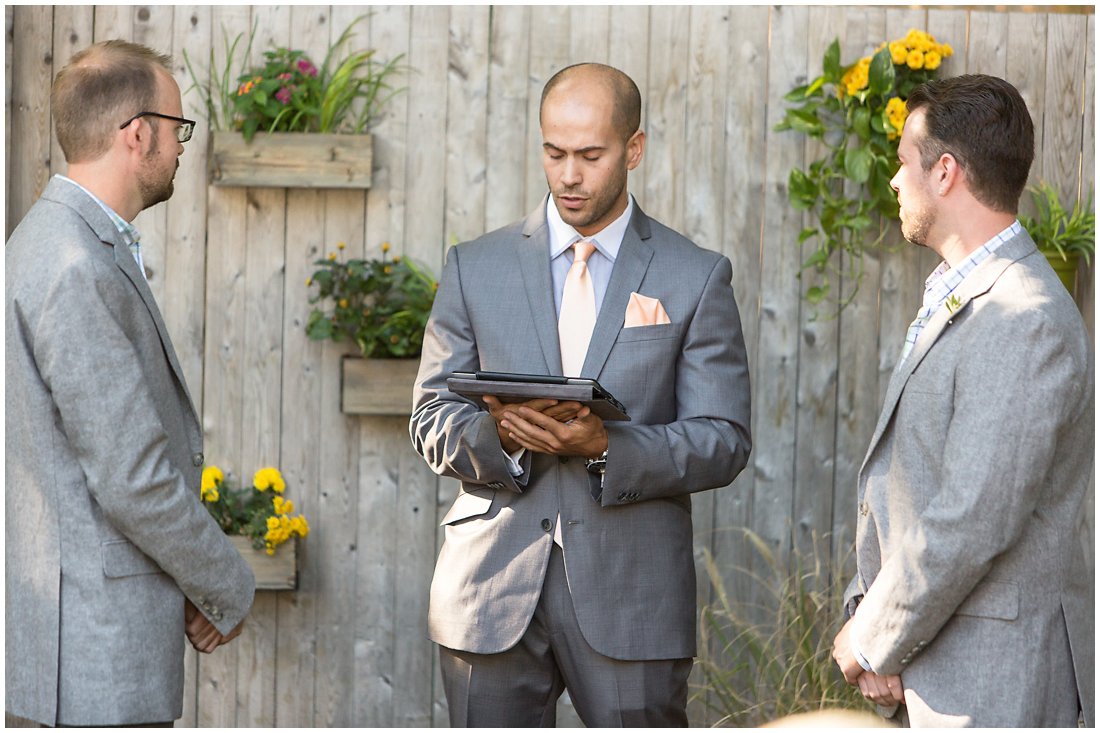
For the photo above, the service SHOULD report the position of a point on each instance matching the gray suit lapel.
(975, 285)
(534, 262)
(626, 277)
(68, 194)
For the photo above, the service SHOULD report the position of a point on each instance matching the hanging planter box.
(273, 572)
(378, 386)
(290, 160)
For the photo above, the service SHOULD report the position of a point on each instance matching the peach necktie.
(578, 311)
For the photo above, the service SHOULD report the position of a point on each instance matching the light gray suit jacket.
(105, 530)
(977, 590)
(685, 384)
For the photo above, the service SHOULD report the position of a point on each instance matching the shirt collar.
(607, 240)
(129, 232)
(948, 278)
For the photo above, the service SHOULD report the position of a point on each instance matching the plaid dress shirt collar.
(130, 235)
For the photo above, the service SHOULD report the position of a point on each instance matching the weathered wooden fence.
(458, 154)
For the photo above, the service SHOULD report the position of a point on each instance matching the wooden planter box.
(290, 160)
(273, 572)
(378, 386)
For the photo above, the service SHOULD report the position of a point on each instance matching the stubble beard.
(152, 184)
(601, 202)
(917, 224)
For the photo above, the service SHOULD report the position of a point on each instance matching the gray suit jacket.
(686, 387)
(977, 590)
(105, 530)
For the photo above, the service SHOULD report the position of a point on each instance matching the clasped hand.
(884, 689)
(548, 426)
(202, 634)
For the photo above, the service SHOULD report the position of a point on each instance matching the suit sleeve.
(1014, 394)
(708, 444)
(456, 437)
(109, 415)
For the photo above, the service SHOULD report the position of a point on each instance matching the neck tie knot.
(582, 250)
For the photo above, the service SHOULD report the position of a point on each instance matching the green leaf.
(817, 84)
(879, 122)
(881, 73)
(817, 259)
(815, 294)
(782, 125)
(806, 234)
(261, 97)
(859, 223)
(861, 123)
(797, 94)
(857, 164)
(802, 192)
(805, 122)
(831, 62)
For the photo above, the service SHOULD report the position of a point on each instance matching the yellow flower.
(270, 550)
(394, 339)
(914, 38)
(388, 269)
(947, 50)
(931, 60)
(211, 477)
(896, 112)
(288, 507)
(269, 478)
(340, 245)
(396, 259)
(898, 52)
(343, 302)
(332, 256)
(272, 523)
(385, 246)
(309, 281)
(210, 494)
(856, 77)
(303, 527)
(915, 60)
(284, 522)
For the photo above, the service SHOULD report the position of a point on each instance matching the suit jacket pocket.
(468, 505)
(122, 559)
(992, 599)
(650, 333)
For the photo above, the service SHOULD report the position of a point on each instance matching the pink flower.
(306, 67)
(284, 77)
(283, 95)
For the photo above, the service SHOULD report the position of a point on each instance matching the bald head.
(627, 100)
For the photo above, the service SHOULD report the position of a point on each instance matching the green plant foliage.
(1059, 231)
(382, 305)
(759, 672)
(856, 113)
(288, 93)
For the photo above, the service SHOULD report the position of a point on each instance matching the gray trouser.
(520, 687)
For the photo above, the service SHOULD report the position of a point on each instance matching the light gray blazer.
(105, 530)
(686, 387)
(977, 590)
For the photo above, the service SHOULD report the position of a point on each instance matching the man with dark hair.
(568, 554)
(973, 602)
(110, 557)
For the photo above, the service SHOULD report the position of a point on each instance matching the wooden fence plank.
(1026, 70)
(9, 45)
(300, 443)
(549, 54)
(777, 372)
(665, 102)
(113, 21)
(858, 400)
(32, 64)
(508, 120)
(72, 32)
(223, 363)
(987, 52)
(589, 33)
(1062, 122)
(629, 52)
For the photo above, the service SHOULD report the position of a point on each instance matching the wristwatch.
(596, 465)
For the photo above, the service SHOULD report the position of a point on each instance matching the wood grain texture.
(1026, 70)
(987, 52)
(291, 160)
(628, 51)
(666, 124)
(31, 75)
(273, 572)
(508, 121)
(549, 54)
(72, 32)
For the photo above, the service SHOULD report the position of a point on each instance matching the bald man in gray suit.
(568, 553)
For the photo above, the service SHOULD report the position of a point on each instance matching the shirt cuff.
(513, 459)
(854, 646)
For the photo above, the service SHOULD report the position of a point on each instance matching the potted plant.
(286, 96)
(1063, 236)
(257, 520)
(858, 122)
(383, 306)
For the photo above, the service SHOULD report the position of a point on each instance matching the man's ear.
(947, 174)
(136, 135)
(635, 146)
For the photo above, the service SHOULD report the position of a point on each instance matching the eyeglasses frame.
(190, 130)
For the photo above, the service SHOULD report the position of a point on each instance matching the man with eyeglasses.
(110, 557)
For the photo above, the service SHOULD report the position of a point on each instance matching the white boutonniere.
(953, 303)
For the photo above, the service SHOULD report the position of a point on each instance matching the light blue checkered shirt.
(945, 279)
(130, 235)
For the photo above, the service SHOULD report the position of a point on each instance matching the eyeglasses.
(183, 132)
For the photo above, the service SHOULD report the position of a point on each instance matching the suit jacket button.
(496, 485)
(622, 496)
(864, 508)
(563, 459)
(197, 459)
(547, 525)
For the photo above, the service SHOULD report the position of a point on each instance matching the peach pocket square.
(643, 311)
